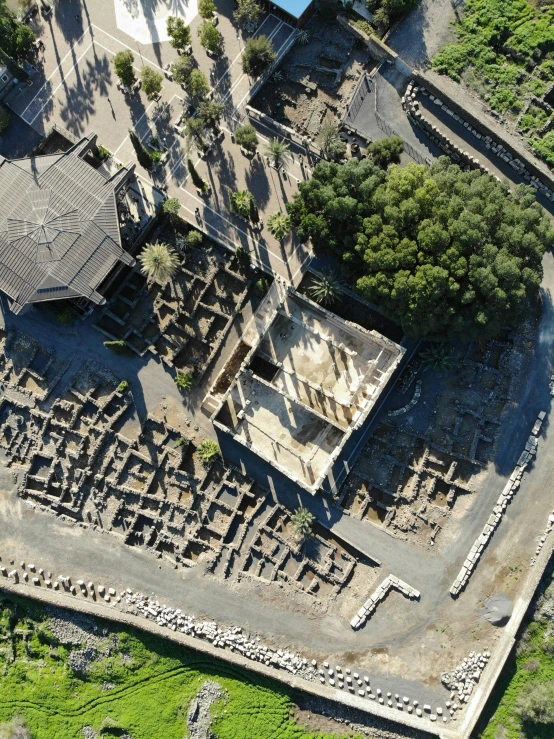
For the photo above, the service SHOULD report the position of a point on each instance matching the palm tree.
(208, 451)
(277, 151)
(184, 381)
(439, 357)
(326, 289)
(279, 225)
(302, 520)
(330, 141)
(158, 262)
(241, 202)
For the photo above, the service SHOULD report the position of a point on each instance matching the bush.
(184, 381)
(194, 239)
(258, 55)
(261, 287)
(123, 387)
(210, 38)
(156, 157)
(123, 65)
(103, 153)
(386, 151)
(247, 137)
(243, 257)
(171, 208)
(118, 346)
(535, 703)
(151, 82)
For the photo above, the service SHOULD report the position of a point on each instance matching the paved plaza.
(76, 88)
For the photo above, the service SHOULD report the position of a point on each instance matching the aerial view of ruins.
(276, 369)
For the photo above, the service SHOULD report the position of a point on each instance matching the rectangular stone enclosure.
(307, 381)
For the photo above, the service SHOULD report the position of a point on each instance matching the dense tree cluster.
(444, 252)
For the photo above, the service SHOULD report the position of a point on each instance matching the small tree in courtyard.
(123, 65)
(247, 137)
(247, 11)
(208, 451)
(182, 69)
(241, 203)
(194, 130)
(302, 521)
(206, 8)
(151, 82)
(257, 56)
(210, 113)
(198, 84)
(210, 38)
(178, 31)
(279, 225)
(326, 289)
(159, 262)
(277, 152)
(171, 208)
(386, 151)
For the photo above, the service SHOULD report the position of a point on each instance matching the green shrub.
(184, 381)
(156, 157)
(194, 239)
(123, 387)
(118, 346)
(103, 153)
(208, 451)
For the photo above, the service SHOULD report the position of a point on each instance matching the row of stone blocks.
(390, 582)
(409, 103)
(504, 498)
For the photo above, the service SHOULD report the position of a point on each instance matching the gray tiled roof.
(59, 229)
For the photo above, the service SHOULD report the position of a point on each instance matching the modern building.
(296, 12)
(59, 226)
(308, 381)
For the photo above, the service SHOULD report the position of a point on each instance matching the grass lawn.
(134, 684)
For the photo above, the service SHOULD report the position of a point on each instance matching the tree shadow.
(257, 182)
(69, 19)
(93, 81)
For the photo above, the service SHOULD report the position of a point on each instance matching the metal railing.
(359, 95)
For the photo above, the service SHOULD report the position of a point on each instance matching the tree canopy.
(444, 252)
(123, 64)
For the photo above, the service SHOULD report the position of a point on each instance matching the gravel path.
(424, 31)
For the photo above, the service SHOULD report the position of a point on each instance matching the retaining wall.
(485, 125)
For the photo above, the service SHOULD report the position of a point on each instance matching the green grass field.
(138, 685)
